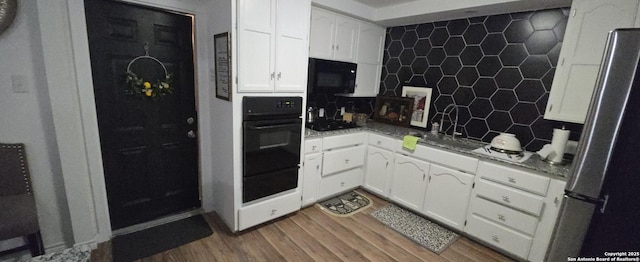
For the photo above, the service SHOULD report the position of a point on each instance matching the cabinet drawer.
(504, 215)
(513, 177)
(333, 142)
(312, 146)
(331, 185)
(502, 237)
(267, 210)
(383, 141)
(342, 159)
(510, 197)
(459, 162)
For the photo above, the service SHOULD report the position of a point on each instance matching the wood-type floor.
(312, 235)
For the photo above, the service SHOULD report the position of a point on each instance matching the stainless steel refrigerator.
(601, 208)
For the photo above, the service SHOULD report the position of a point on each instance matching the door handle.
(279, 75)
(191, 134)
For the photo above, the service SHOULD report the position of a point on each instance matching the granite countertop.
(460, 145)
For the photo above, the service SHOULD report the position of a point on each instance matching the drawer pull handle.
(501, 218)
(313, 148)
(495, 238)
(273, 211)
(506, 199)
(346, 161)
(512, 180)
(378, 143)
(342, 184)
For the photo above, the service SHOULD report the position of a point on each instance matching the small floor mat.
(345, 204)
(157, 239)
(424, 232)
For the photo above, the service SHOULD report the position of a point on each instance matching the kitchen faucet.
(447, 112)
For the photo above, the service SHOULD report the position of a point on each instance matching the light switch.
(19, 84)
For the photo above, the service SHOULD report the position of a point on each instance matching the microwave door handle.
(263, 127)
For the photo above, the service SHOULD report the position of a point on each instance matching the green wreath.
(141, 88)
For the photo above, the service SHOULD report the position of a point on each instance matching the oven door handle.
(255, 127)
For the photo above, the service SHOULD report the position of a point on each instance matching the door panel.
(150, 164)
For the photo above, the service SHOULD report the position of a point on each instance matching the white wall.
(27, 118)
(222, 122)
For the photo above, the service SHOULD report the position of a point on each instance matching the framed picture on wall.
(421, 104)
(222, 53)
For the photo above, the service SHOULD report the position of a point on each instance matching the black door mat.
(346, 204)
(424, 232)
(160, 238)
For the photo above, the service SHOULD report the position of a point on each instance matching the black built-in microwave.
(326, 76)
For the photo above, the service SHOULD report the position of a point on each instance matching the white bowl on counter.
(506, 142)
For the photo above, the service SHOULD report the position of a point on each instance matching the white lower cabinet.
(409, 182)
(447, 196)
(267, 210)
(311, 175)
(342, 166)
(502, 237)
(342, 159)
(513, 210)
(378, 171)
(340, 182)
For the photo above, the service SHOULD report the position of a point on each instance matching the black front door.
(149, 144)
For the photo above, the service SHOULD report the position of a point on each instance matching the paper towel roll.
(559, 142)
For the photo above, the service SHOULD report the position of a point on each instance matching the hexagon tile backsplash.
(498, 69)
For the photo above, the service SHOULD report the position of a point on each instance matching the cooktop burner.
(330, 124)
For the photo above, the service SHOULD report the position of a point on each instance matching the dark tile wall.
(498, 70)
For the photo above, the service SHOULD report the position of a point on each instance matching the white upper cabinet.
(333, 36)
(272, 45)
(581, 55)
(370, 43)
(370, 47)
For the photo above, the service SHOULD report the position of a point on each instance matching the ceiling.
(391, 13)
(383, 3)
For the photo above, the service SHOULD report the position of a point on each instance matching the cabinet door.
(255, 43)
(378, 171)
(370, 43)
(367, 80)
(311, 177)
(321, 37)
(291, 42)
(345, 39)
(447, 196)
(409, 182)
(581, 54)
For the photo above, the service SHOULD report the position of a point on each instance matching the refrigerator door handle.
(604, 204)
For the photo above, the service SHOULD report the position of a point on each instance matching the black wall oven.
(272, 132)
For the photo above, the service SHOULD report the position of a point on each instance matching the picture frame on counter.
(393, 110)
(421, 103)
(222, 60)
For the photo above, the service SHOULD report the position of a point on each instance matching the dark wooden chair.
(18, 215)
